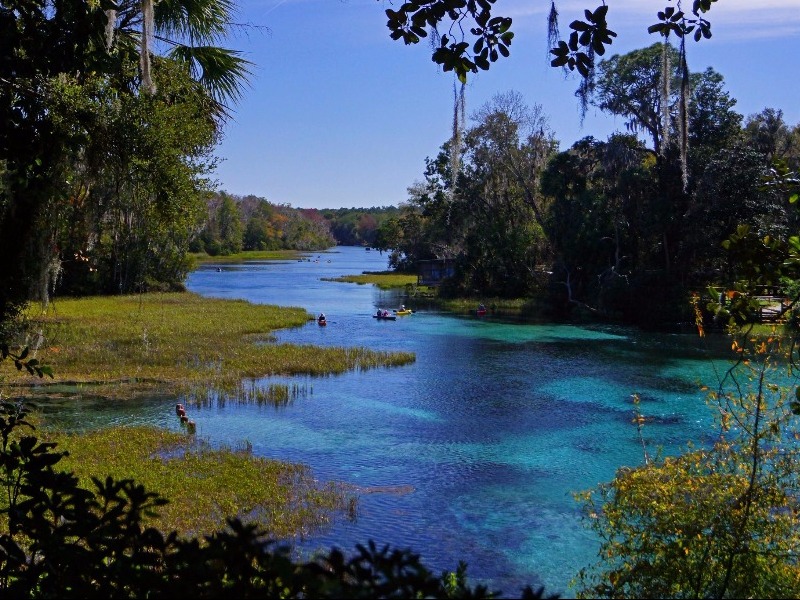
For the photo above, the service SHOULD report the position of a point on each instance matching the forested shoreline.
(243, 223)
(625, 229)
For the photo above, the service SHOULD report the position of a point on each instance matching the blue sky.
(339, 115)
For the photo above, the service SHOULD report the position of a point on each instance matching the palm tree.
(189, 31)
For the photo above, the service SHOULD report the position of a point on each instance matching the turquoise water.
(483, 440)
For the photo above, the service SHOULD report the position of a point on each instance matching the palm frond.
(224, 73)
(198, 21)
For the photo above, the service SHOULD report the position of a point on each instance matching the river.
(473, 451)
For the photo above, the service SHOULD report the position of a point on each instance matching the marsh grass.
(250, 393)
(205, 485)
(504, 307)
(383, 279)
(202, 257)
(179, 343)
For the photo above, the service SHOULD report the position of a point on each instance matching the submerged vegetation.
(180, 343)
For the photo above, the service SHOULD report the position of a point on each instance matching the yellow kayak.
(406, 311)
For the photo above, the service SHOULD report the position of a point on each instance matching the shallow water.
(481, 441)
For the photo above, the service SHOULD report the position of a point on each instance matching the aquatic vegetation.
(508, 307)
(202, 257)
(206, 485)
(383, 279)
(179, 343)
(277, 395)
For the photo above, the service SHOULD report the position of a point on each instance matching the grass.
(180, 343)
(506, 307)
(383, 279)
(205, 486)
(202, 257)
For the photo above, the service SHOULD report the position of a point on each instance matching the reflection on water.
(488, 433)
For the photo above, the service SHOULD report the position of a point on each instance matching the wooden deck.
(772, 308)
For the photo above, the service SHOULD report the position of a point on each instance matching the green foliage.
(477, 36)
(712, 121)
(717, 521)
(593, 35)
(491, 34)
(488, 217)
(230, 226)
(100, 178)
(728, 195)
(611, 228)
(21, 361)
(605, 219)
(630, 239)
(408, 239)
(629, 85)
(126, 227)
(358, 226)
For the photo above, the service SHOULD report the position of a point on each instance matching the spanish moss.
(553, 36)
(111, 16)
(456, 142)
(584, 91)
(683, 122)
(666, 72)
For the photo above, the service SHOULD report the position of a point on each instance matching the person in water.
(321, 316)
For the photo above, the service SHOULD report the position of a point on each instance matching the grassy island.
(202, 257)
(383, 279)
(179, 343)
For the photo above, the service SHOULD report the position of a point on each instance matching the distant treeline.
(237, 223)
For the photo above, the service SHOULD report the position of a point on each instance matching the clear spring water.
(471, 453)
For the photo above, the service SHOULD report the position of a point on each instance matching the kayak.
(401, 313)
(385, 318)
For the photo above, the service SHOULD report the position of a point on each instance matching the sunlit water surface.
(481, 442)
